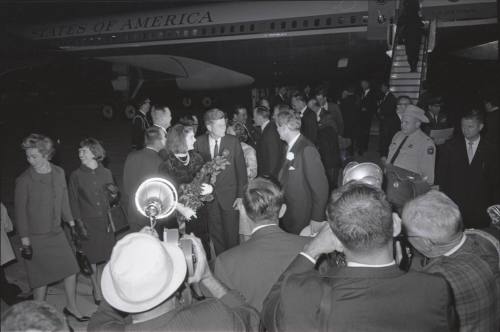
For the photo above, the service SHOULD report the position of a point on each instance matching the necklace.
(183, 159)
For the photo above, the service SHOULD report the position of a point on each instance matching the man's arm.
(318, 184)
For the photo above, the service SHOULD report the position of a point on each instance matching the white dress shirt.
(474, 146)
(292, 142)
(211, 145)
(302, 111)
(264, 125)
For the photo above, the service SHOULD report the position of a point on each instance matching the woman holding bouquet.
(181, 166)
(89, 204)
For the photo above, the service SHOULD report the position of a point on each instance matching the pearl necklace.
(185, 162)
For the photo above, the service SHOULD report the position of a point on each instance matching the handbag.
(83, 262)
(117, 219)
(402, 185)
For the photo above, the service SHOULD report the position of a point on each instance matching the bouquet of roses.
(192, 195)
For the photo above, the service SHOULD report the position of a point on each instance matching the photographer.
(144, 280)
(371, 292)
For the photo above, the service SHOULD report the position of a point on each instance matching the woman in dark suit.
(89, 204)
(41, 201)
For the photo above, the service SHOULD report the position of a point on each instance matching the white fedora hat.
(368, 173)
(142, 273)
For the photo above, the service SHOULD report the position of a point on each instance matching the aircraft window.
(222, 29)
(194, 32)
(353, 19)
(231, 29)
(294, 24)
(283, 25)
(213, 30)
(185, 33)
(203, 31)
(242, 28)
(316, 22)
(341, 20)
(305, 23)
(329, 21)
(272, 26)
(252, 27)
(365, 19)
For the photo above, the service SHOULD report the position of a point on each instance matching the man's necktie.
(396, 154)
(216, 149)
(470, 151)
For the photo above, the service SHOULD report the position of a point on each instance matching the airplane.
(230, 45)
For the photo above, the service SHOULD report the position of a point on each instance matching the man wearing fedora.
(411, 149)
(145, 280)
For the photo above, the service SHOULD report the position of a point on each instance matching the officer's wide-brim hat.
(142, 273)
(416, 112)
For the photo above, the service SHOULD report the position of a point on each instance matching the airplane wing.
(190, 74)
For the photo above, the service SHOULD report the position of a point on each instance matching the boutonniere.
(290, 156)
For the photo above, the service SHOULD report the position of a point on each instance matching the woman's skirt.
(101, 240)
(53, 259)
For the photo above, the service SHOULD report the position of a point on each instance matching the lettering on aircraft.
(121, 25)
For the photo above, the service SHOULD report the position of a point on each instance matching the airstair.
(402, 80)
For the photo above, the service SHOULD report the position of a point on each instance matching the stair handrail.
(423, 66)
(432, 35)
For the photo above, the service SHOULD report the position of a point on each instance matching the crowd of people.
(296, 237)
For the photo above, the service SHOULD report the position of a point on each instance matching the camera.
(156, 198)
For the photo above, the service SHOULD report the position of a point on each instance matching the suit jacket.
(230, 182)
(254, 266)
(40, 205)
(140, 123)
(357, 299)
(305, 185)
(139, 166)
(309, 126)
(473, 187)
(334, 109)
(387, 109)
(369, 103)
(328, 147)
(269, 151)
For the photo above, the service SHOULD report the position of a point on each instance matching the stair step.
(403, 52)
(403, 69)
(404, 75)
(400, 64)
(405, 82)
(403, 88)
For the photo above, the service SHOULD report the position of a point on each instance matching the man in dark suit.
(368, 108)
(281, 97)
(389, 120)
(302, 176)
(437, 118)
(254, 266)
(468, 172)
(309, 119)
(139, 166)
(140, 123)
(371, 293)
(162, 119)
(222, 216)
(492, 119)
(329, 106)
(269, 145)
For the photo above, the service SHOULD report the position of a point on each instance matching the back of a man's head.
(361, 218)
(152, 135)
(262, 200)
(33, 316)
(433, 216)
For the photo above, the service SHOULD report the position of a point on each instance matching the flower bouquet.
(192, 195)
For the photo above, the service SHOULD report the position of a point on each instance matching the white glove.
(206, 189)
(187, 212)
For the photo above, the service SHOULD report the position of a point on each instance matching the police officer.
(411, 149)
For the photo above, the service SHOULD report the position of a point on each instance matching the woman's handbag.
(117, 219)
(83, 262)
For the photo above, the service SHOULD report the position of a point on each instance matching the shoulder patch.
(430, 150)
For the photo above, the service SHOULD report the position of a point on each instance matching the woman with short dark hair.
(89, 204)
(41, 201)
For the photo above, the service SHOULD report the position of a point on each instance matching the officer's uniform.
(418, 154)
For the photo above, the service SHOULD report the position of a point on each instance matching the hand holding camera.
(201, 269)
